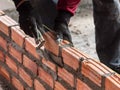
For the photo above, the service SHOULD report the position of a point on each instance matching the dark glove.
(30, 21)
(61, 26)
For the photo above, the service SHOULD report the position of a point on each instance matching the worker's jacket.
(69, 5)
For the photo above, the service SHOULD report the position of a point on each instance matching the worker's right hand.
(61, 26)
(30, 21)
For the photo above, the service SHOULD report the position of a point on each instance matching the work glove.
(30, 21)
(61, 26)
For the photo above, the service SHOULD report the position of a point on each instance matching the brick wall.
(66, 68)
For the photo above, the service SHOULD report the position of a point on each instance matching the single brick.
(71, 59)
(15, 53)
(30, 46)
(94, 70)
(26, 77)
(11, 64)
(50, 43)
(17, 35)
(3, 43)
(82, 86)
(58, 86)
(4, 73)
(2, 56)
(91, 71)
(66, 76)
(28, 63)
(112, 82)
(17, 84)
(43, 75)
(49, 64)
(38, 85)
(5, 23)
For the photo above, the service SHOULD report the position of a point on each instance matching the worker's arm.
(66, 9)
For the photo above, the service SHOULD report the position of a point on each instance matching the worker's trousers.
(107, 31)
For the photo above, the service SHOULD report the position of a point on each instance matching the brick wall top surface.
(54, 66)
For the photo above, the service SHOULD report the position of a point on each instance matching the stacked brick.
(22, 64)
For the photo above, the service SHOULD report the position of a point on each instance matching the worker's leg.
(107, 31)
(66, 9)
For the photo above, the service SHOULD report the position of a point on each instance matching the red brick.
(84, 55)
(58, 86)
(17, 35)
(46, 77)
(1, 13)
(15, 53)
(26, 77)
(3, 43)
(30, 46)
(17, 84)
(82, 86)
(5, 23)
(71, 59)
(50, 43)
(11, 64)
(38, 85)
(4, 73)
(2, 56)
(66, 76)
(49, 64)
(94, 70)
(28, 63)
(112, 82)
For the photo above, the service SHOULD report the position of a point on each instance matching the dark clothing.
(107, 31)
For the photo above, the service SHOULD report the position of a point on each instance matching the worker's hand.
(61, 26)
(30, 21)
(62, 32)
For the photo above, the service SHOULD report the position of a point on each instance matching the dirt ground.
(82, 29)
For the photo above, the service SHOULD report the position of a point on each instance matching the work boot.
(61, 26)
(107, 32)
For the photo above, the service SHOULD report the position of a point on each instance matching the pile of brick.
(26, 69)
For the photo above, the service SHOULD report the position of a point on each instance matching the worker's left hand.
(30, 21)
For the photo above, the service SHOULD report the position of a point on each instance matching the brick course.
(27, 69)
